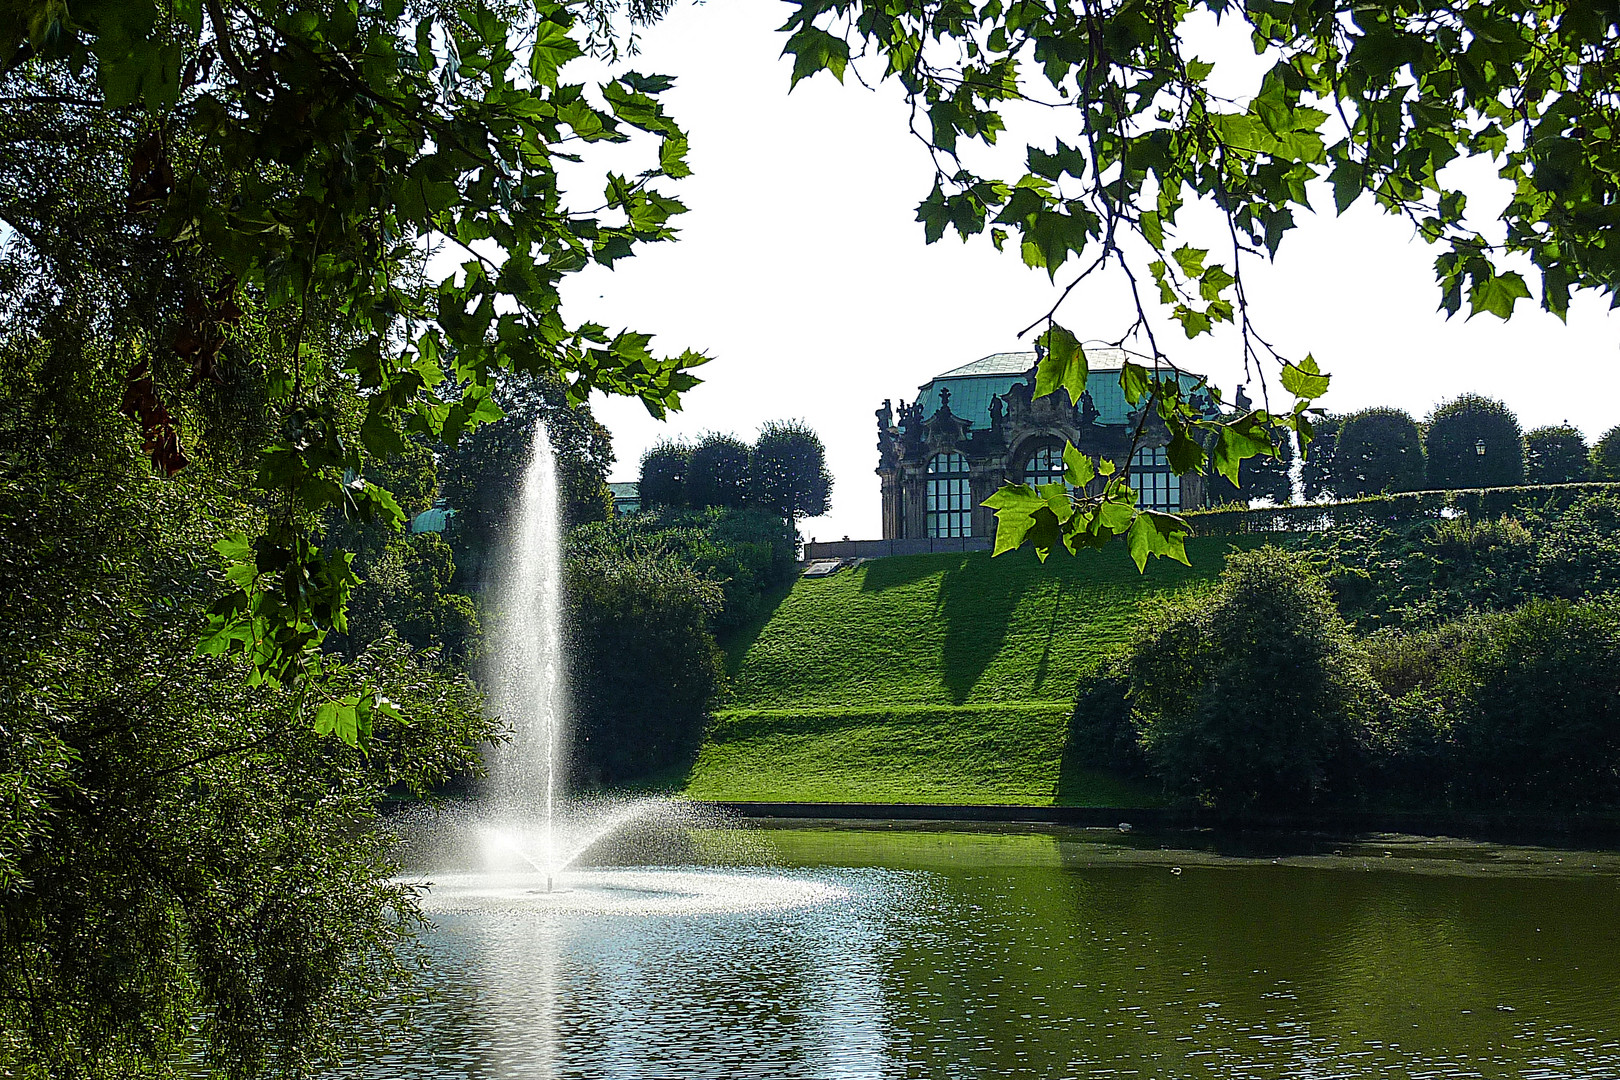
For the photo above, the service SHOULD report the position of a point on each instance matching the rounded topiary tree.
(663, 475)
(1317, 469)
(1377, 450)
(788, 471)
(1473, 442)
(1556, 455)
(1606, 456)
(717, 472)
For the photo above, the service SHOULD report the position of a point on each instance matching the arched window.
(1157, 488)
(1045, 466)
(950, 507)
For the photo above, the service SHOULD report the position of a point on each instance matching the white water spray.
(527, 666)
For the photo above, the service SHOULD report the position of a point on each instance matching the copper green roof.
(973, 385)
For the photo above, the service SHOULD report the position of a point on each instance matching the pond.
(910, 951)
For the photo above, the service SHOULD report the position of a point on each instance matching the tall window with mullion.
(1045, 466)
(1157, 488)
(950, 506)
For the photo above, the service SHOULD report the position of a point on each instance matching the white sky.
(802, 272)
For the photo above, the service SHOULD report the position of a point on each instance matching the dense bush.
(646, 669)
(1377, 450)
(1578, 552)
(186, 866)
(748, 553)
(717, 472)
(663, 475)
(1556, 455)
(1252, 696)
(405, 588)
(1430, 570)
(1533, 708)
(1473, 442)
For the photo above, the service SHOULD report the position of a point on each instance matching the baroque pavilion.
(979, 425)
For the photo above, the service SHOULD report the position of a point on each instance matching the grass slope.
(931, 678)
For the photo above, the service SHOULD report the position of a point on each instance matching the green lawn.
(931, 678)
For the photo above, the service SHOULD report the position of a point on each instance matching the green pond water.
(916, 952)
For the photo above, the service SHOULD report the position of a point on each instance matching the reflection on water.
(910, 953)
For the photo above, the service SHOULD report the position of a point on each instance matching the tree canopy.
(1377, 450)
(1555, 455)
(787, 471)
(242, 196)
(1474, 441)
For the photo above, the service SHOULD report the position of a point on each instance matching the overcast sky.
(802, 271)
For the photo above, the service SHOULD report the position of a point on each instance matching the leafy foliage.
(1254, 695)
(1563, 751)
(787, 472)
(1556, 455)
(1474, 441)
(1423, 573)
(1317, 470)
(179, 847)
(717, 472)
(284, 170)
(749, 553)
(1377, 450)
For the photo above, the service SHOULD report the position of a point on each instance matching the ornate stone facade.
(938, 465)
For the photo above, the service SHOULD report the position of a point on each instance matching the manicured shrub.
(787, 473)
(663, 475)
(1474, 442)
(717, 472)
(645, 666)
(1534, 709)
(1254, 696)
(1377, 450)
(1556, 455)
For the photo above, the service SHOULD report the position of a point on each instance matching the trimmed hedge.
(1402, 508)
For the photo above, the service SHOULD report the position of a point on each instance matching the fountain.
(522, 838)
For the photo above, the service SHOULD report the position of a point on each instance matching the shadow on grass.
(1095, 772)
(977, 600)
(736, 643)
(896, 570)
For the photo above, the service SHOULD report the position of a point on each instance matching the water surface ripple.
(914, 953)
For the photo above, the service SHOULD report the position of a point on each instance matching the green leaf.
(1496, 293)
(1015, 506)
(1063, 363)
(813, 50)
(1304, 380)
(1077, 467)
(1245, 437)
(1135, 381)
(552, 48)
(1163, 536)
(1190, 259)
